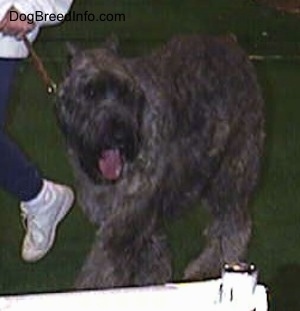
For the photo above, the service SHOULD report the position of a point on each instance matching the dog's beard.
(103, 152)
(105, 160)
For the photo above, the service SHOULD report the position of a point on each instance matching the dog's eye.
(100, 90)
(90, 91)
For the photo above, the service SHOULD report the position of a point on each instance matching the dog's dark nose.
(119, 137)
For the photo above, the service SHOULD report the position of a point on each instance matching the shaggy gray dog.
(151, 137)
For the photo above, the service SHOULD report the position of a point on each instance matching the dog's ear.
(72, 49)
(112, 44)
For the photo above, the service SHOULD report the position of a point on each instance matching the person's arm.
(17, 28)
(20, 27)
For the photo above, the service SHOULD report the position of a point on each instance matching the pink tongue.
(110, 164)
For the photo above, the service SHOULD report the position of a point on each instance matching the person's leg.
(18, 176)
(43, 203)
(8, 68)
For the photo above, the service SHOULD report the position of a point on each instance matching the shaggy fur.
(152, 136)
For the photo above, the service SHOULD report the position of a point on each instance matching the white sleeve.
(46, 6)
(5, 5)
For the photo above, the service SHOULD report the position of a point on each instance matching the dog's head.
(99, 110)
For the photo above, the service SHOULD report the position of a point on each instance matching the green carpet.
(276, 208)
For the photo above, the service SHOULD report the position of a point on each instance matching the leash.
(40, 68)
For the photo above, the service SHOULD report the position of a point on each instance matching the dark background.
(276, 208)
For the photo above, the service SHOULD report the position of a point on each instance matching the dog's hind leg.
(228, 198)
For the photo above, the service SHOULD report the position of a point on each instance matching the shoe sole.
(66, 207)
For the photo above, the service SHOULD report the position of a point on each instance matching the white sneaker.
(41, 217)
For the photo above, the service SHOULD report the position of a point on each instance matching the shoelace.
(31, 226)
(26, 217)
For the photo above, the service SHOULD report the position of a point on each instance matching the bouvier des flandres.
(149, 138)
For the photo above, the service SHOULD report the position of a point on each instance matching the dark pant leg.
(18, 176)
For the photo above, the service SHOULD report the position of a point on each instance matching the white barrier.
(236, 291)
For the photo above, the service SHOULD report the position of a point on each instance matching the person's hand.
(17, 28)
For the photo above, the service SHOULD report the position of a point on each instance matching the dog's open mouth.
(111, 164)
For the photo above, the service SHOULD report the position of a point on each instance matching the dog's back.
(201, 77)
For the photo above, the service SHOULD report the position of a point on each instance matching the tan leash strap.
(40, 68)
